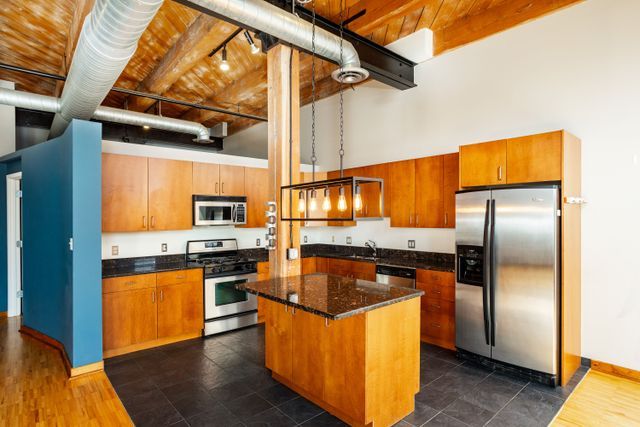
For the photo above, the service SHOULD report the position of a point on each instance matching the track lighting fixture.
(254, 48)
(224, 65)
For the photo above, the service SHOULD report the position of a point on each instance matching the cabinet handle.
(434, 305)
(131, 282)
(144, 221)
(216, 188)
(436, 292)
(446, 218)
(499, 173)
(181, 277)
(410, 219)
(153, 297)
(435, 325)
(153, 221)
(223, 188)
(417, 220)
(161, 295)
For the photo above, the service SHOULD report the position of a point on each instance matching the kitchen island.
(351, 346)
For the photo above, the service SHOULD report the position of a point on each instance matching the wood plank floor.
(35, 390)
(602, 400)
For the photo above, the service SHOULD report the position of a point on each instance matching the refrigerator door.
(471, 310)
(526, 277)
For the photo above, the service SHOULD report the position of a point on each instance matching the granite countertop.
(330, 296)
(143, 265)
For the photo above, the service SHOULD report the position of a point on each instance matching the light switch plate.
(348, 240)
(306, 239)
(115, 250)
(163, 247)
(333, 239)
(412, 244)
(292, 253)
(258, 242)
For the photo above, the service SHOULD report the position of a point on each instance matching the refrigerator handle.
(486, 274)
(492, 278)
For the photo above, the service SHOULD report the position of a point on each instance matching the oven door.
(221, 298)
(214, 213)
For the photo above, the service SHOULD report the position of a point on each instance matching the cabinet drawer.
(179, 276)
(437, 325)
(437, 306)
(363, 267)
(128, 283)
(444, 278)
(446, 293)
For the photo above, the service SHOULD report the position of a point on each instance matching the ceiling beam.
(494, 20)
(81, 10)
(381, 12)
(193, 45)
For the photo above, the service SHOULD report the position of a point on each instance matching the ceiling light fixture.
(326, 202)
(224, 65)
(254, 48)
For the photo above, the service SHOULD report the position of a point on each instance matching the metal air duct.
(32, 101)
(108, 40)
(263, 16)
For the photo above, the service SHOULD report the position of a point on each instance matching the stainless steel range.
(225, 307)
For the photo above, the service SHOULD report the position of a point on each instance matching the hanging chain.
(341, 152)
(314, 159)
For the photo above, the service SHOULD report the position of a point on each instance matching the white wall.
(577, 69)
(150, 242)
(7, 124)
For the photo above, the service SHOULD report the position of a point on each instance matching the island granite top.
(328, 295)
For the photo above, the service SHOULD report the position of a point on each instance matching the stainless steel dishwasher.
(396, 276)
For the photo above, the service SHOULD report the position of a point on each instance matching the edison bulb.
(357, 202)
(326, 202)
(342, 200)
(313, 201)
(301, 203)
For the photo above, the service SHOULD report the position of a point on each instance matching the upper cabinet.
(400, 194)
(170, 192)
(257, 192)
(450, 184)
(140, 194)
(483, 164)
(218, 180)
(429, 190)
(124, 193)
(533, 158)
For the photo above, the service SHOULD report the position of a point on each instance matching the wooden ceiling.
(172, 56)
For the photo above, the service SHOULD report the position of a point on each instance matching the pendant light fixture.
(350, 207)
(224, 65)
(254, 49)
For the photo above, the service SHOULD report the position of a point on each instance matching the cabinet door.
(451, 184)
(257, 192)
(372, 203)
(535, 158)
(401, 193)
(278, 339)
(128, 317)
(339, 267)
(232, 180)
(170, 194)
(363, 270)
(429, 192)
(322, 265)
(124, 193)
(483, 164)
(309, 265)
(180, 309)
(309, 350)
(206, 179)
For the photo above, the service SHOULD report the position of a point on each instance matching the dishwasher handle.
(387, 270)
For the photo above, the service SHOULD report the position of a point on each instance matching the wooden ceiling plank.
(494, 20)
(410, 22)
(81, 10)
(204, 34)
(381, 12)
(445, 14)
(429, 14)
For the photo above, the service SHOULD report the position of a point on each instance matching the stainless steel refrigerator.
(508, 276)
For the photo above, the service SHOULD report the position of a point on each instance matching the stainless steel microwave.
(219, 210)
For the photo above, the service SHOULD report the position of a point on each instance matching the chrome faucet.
(372, 245)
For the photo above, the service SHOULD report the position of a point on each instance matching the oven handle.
(252, 277)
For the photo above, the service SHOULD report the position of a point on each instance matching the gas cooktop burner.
(219, 258)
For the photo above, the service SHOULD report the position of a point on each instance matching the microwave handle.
(234, 213)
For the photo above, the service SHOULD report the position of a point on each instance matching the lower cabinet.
(263, 274)
(347, 268)
(437, 307)
(138, 313)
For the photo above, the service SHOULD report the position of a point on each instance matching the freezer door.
(525, 288)
(471, 312)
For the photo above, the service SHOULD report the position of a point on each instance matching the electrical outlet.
(333, 239)
(412, 244)
(348, 240)
(163, 247)
(306, 239)
(115, 250)
(258, 242)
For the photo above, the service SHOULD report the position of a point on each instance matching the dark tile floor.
(221, 381)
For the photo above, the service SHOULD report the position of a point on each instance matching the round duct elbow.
(350, 75)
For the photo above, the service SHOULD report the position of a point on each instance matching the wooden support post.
(284, 97)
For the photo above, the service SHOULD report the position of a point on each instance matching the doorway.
(14, 244)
